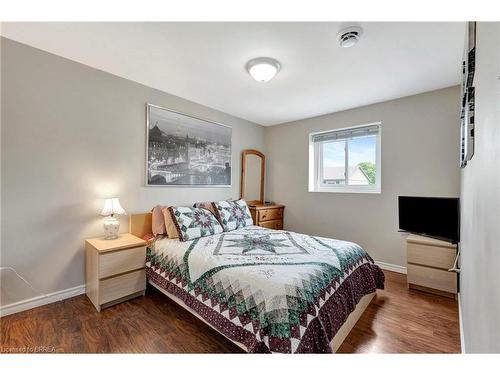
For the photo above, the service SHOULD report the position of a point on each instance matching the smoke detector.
(348, 37)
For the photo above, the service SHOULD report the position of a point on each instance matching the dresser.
(114, 269)
(268, 215)
(428, 263)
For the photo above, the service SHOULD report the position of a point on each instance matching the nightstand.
(115, 269)
(268, 215)
(428, 263)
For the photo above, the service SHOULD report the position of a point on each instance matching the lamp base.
(111, 227)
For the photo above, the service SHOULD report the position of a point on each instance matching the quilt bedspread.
(270, 290)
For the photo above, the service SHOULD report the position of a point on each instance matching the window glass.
(362, 158)
(333, 163)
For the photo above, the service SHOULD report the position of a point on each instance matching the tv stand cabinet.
(428, 263)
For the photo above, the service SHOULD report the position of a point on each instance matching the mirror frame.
(244, 155)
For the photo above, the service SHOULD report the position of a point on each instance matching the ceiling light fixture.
(263, 69)
(350, 36)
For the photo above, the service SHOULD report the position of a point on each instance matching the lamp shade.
(112, 206)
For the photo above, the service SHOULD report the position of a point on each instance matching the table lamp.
(111, 207)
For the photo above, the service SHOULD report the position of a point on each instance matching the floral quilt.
(270, 290)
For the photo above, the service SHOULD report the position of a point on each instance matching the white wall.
(480, 204)
(419, 157)
(72, 135)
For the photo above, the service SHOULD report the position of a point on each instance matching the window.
(345, 160)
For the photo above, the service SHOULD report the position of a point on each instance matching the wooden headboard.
(140, 224)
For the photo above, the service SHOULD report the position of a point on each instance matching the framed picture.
(468, 96)
(183, 150)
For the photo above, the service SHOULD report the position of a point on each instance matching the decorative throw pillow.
(207, 206)
(194, 222)
(158, 221)
(169, 224)
(233, 215)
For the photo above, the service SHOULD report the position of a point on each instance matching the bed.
(268, 291)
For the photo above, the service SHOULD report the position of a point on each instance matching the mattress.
(269, 290)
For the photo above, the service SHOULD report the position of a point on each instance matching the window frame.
(316, 163)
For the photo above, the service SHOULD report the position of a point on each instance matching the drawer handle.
(264, 216)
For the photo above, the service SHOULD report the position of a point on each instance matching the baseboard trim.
(391, 267)
(461, 325)
(31, 303)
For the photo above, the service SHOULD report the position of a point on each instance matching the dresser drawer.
(432, 278)
(116, 262)
(272, 224)
(272, 214)
(438, 257)
(121, 286)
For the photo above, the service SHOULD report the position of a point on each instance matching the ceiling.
(205, 62)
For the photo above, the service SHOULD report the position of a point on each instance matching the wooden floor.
(397, 321)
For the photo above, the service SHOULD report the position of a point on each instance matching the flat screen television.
(432, 217)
